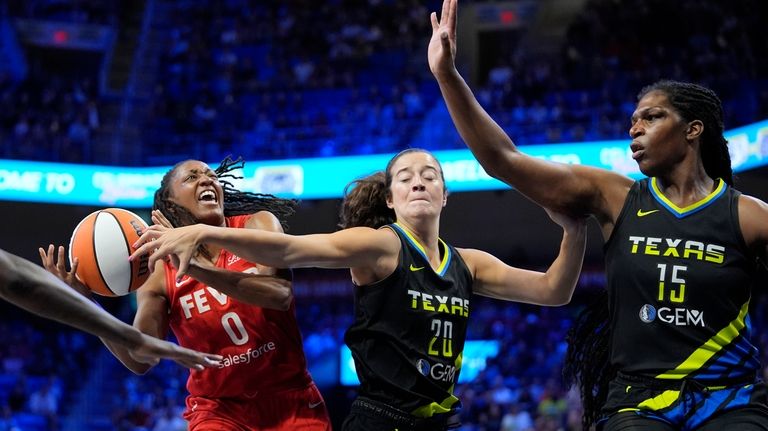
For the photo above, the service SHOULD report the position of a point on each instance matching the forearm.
(260, 290)
(254, 245)
(123, 355)
(563, 275)
(30, 287)
(487, 140)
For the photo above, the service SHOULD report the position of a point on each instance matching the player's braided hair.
(587, 361)
(365, 199)
(695, 102)
(236, 202)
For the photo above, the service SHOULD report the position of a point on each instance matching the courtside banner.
(322, 178)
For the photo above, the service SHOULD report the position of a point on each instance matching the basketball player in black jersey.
(32, 288)
(682, 250)
(413, 291)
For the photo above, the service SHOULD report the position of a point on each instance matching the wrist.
(447, 76)
(206, 234)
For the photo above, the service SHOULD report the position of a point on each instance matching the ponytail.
(365, 203)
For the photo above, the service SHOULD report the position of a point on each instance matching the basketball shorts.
(370, 415)
(684, 405)
(297, 409)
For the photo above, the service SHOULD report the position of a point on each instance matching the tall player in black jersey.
(682, 250)
(413, 291)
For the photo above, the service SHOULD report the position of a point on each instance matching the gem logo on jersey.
(423, 367)
(439, 372)
(672, 316)
(647, 313)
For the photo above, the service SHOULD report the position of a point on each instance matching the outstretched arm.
(571, 189)
(34, 289)
(496, 279)
(358, 247)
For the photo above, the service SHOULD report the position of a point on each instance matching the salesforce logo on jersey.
(673, 316)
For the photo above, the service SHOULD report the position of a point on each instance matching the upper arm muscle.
(152, 303)
(572, 189)
(753, 220)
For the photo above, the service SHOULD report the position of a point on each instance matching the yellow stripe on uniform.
(444, 406)
(417, 244)
(661, 401)
(706, 200)
(700, 356)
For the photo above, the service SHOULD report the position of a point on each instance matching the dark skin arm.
(151, 312)
(753, 219)
(34, 289)
(570, 189)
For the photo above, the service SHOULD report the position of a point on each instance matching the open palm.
(442, 46)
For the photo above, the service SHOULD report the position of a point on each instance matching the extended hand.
(177, 244)
(57, 266)
(151, 350)
(441, 53)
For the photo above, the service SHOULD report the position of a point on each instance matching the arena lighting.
(322, 178)
(60, 37)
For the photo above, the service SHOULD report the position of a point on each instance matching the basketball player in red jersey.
(237, 309)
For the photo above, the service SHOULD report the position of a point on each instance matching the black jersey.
(408, 336)
(679, 281)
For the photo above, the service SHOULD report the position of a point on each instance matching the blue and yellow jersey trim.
(701, 356)
(444, 263)
(690, 209)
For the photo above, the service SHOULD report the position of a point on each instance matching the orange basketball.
(102, 243)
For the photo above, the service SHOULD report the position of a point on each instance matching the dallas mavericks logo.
(423, 367)
(647, 313)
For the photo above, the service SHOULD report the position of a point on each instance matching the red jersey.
(262, 348)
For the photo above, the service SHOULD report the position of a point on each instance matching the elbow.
(497, 163)
(13, 288)
(12, 285)
(558, 296)
(140, 370)
(493, 167)
(283, 300)
(559, 300)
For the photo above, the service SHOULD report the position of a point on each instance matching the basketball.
(102, 243)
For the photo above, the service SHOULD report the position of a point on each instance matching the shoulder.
(263, 220)
(384, 236)
(753, 219)
(474, 258)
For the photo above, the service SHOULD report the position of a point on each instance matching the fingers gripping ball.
(102, 243)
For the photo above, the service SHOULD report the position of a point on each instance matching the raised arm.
(496, 279)
(571, 189)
